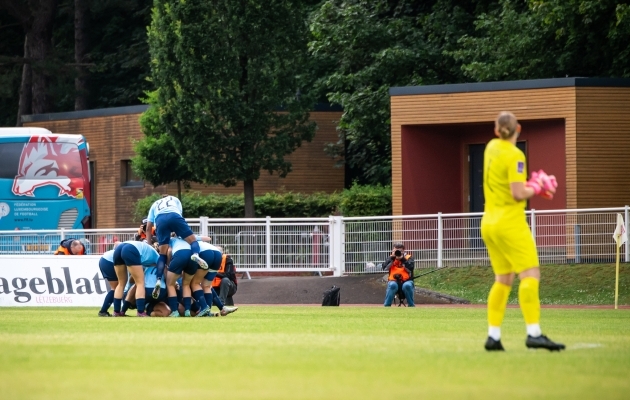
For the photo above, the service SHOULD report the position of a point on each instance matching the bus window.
(10, 159)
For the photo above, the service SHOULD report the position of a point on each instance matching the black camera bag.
(332, 297)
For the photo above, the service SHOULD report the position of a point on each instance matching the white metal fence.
(96, 241)
(359, 244)
(271, 244)
(436, 240)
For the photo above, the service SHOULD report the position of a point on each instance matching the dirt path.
(363, 289)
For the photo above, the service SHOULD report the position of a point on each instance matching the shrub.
(141, 209)
(296, 205)
(366, 200)
(356, 201)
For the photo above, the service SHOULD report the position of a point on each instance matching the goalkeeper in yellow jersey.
(507, 236)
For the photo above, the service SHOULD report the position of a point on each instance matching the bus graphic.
(44, 180)
(45, 161)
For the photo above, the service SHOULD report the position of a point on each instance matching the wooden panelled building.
(110, 134)
(575, 128)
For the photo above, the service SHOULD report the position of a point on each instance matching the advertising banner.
(46, 280)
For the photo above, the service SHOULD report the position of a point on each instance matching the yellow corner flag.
(621, 237)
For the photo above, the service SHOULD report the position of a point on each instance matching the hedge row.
(356, 201)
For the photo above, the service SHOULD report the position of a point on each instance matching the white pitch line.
(579, 346)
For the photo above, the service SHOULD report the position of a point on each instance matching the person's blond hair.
(506, 124)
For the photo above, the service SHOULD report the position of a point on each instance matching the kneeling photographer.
(400, 267)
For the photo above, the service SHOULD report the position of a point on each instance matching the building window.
(128, 176)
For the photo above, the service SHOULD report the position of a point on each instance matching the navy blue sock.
(161, 263)
(200, 299)
(125, 306)
(187, 302)
(117, 303)
(109, 298)
(173, 303)
(216, 300)
(194, 247)
(208, 297)
(140, 304)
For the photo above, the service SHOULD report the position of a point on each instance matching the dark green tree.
(106, 43)
(229, 93)
(36, 18)
(364, 47)
(11, 47)
(120, 52)
(157, 159)
(106, 50)
(546, 39)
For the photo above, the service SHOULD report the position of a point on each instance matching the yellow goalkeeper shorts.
(511, 247)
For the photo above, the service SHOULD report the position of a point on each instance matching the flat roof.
(98, 112)
(108, 112)
(509, 85)
(23, 135)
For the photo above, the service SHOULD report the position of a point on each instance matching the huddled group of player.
(135, 270)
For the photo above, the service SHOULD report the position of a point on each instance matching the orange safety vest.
(143, 234)
(216, 282)
(398, 268)
(62, 251)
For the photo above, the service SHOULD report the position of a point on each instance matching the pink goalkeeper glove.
(543, 184)
(549, 185)
(534, 183)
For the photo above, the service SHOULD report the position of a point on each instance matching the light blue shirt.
(203, 246)
(178, 244)
(150, 277)
(108, 256)
(148, 255)
(168, 204)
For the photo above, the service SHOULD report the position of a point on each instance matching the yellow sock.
(529, 300)
(497, 301)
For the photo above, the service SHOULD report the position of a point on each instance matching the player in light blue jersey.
(106, 265)
(132, 256)
(216, 252)
(154, 307)
(180, 262)
(166, 215)
(212, 256)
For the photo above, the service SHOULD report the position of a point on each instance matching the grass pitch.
(310, 353)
